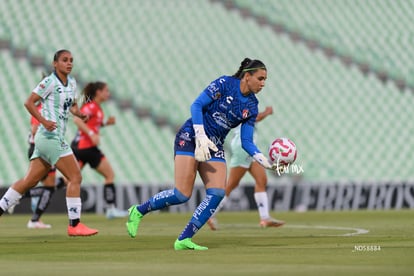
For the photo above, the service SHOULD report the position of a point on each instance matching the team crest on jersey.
(42, 86)
(245, 113)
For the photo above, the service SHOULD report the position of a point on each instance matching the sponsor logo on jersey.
(234, 115)
(221, 120)
(185, 136)
(181, 143)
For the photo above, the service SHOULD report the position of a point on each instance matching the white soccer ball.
(282, 151)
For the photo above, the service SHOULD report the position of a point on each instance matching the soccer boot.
(134, 219)
(187, 244)
(271, 222)
(38, 225)
(81, 230)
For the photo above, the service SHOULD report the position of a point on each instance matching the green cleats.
(132, 224)
(133, 221)
(187, 244)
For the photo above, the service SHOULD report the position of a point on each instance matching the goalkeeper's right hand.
(203, 144)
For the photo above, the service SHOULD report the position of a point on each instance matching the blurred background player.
(240, 163)
(85, 144)
(58, 95)
(226, 103)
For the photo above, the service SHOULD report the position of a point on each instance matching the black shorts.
(91, 156)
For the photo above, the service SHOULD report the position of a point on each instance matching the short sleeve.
(44, 88)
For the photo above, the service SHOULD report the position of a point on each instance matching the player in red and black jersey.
(85, 145)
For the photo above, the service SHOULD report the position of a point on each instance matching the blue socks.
(203, 212)
(173, 197)
(162, 200)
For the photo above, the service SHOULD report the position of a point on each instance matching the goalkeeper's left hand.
(259, 157)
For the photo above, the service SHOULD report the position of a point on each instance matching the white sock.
(10, 198)
(74, 206)
(219, 207)
(262, 204)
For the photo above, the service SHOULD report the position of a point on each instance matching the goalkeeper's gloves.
(203, 144)
(259, 157)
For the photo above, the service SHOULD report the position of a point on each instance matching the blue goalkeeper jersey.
(221, 107)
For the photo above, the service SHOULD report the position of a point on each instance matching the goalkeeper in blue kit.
(226, 103)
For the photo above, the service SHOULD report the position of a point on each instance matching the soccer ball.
(282, 150)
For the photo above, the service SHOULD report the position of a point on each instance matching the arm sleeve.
(246, 136)
(197, 108)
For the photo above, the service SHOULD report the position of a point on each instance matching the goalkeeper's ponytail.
(250, 66)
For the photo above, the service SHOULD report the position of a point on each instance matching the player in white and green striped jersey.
(58, 95)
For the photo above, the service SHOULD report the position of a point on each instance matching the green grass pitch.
(311, 243)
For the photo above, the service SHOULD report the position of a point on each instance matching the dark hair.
(89, 92)
(250, 66)
(58, 53)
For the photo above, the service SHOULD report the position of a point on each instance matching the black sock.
(33, 192)
(74, 222)
(109, 193)
(60, 183)
(43, 202)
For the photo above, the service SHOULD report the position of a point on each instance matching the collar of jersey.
(67, 82)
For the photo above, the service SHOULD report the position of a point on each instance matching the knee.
(75, 179)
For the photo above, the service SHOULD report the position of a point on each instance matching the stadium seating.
(374, 32)
(161, 54)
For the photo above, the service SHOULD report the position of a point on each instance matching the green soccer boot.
(134, 219)
(187, 244)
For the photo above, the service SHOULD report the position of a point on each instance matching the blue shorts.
(184, 144)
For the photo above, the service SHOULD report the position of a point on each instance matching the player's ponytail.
(250, 66)
(89, 91)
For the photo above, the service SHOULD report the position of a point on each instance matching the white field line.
(353, 231)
